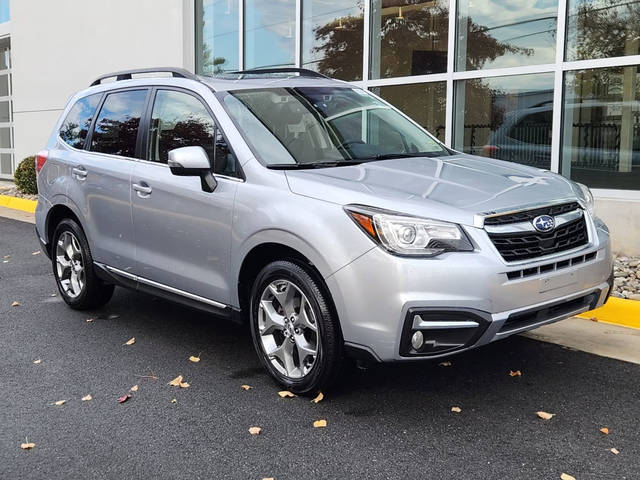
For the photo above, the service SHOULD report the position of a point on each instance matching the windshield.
(324, 125)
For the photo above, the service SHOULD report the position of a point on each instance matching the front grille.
(525, 215)
(550, 267)
(524, 245)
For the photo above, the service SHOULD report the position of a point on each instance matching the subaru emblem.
(544, 223)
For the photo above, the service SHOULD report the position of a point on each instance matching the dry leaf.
(134, 388)
(131, 341)
(89, 320)
(176, 381)
(605, 430)
(27, 446)
(113, 316)
(517, 373)
(286, 394)
(60, 402)
(456, 409)
(37, 362)
(174, 401)
(124, 398)
(545, 415)
(594, 319)
(86, 398)
(246, 387)
(5, 261)
(319, 424)
(319, 398)
(268, 478)
(615, 451)
(36, 253)
(445, 364)
(254, 430)
(52, 295)
(15, 304)
(184, 385)
(566, 476)
(194, 359)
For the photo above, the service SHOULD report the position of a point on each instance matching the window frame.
(90, 128)
(145, 124)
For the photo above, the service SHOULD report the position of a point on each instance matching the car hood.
(453, 188)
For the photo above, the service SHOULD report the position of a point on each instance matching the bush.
(25, 176)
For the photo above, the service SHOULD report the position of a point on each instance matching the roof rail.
(126, 74)
(304, 72)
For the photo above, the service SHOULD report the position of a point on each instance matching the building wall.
(61, 46)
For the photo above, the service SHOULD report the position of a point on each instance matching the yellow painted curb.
(18, 203)
(619, 311)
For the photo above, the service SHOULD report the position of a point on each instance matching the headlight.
(411, 236)
(587, 196)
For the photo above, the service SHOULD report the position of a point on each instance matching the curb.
(16, 203)
(618, 311)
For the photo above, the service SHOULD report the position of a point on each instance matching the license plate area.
(557, 281)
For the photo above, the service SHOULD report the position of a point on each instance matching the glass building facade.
(548, 83)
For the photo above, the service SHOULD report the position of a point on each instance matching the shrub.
(25, 176)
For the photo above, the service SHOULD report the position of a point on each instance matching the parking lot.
(384, 422)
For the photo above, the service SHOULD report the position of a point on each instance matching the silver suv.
(310, 208)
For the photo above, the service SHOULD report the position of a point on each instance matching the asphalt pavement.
(385, 422)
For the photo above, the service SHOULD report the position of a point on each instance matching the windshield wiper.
(303, 166)
(389, 156)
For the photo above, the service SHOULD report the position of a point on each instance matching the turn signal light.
(41, 159)
(365, 221)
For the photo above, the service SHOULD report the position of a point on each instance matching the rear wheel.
(73, 268)
(294, 331)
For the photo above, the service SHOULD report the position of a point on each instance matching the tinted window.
(116, 129)
(76, 125)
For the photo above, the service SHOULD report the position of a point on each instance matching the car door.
(105, 175)
(183, 234)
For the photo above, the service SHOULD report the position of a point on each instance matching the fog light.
(417, 340)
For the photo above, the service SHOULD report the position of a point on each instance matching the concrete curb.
(16, 203)
(618, 311)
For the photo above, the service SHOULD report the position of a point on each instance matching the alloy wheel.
(70, 264)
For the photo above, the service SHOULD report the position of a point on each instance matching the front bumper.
(463, 300)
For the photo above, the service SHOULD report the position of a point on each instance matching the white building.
(552, 83)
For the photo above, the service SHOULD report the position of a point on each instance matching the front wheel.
(294, 330)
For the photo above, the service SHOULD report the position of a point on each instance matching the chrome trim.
(161, 286)
(478, 218)
(528, 226)
(419, 324)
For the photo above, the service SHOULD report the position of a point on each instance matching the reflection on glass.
(216, 36)
(6, 163)
(332, 37)
(504, 33)
(601, 131)
(4, 85)
(269, 33)
(508, 118)
(408, 37)
(116, 128)
(76, 125)
(4, 11)
(5, 111)
(602, 28)
(423, 102)
(5, 137)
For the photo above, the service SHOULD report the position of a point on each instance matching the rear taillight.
(41, 159)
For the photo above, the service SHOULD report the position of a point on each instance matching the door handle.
(142, 189)
(79, 172)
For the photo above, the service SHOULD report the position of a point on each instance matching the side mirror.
(192, 162)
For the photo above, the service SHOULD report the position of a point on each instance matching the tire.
(70, 253)
(297, 374)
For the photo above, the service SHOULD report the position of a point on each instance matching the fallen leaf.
(89, 320)
(176, 381)
(605, 430)
(254, 430)
(15, 304)
(319, 398)
(566, 476)
(594, 319)
(545, 415)
(184, 385)
(615, 451)
(5, 261)
(124, 398)
(517, 373)
(194, 359)
(36, 253)
(445, 364)
(456, 409)
(286, 394)
(6, 256)
(131, 341)
(268, 478)
(60, 402)
(174, 401)
(37, 362)
(113, 316)
(246, 387)
(134, 388)
(27, 446)
(319, 424)
(86, 398)
(52, 295)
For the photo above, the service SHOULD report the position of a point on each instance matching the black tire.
(95, 292)
(327, 363)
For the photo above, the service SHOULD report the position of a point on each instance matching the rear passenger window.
(76, 126)
(116, 129)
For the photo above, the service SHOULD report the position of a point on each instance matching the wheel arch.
(55, 215)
